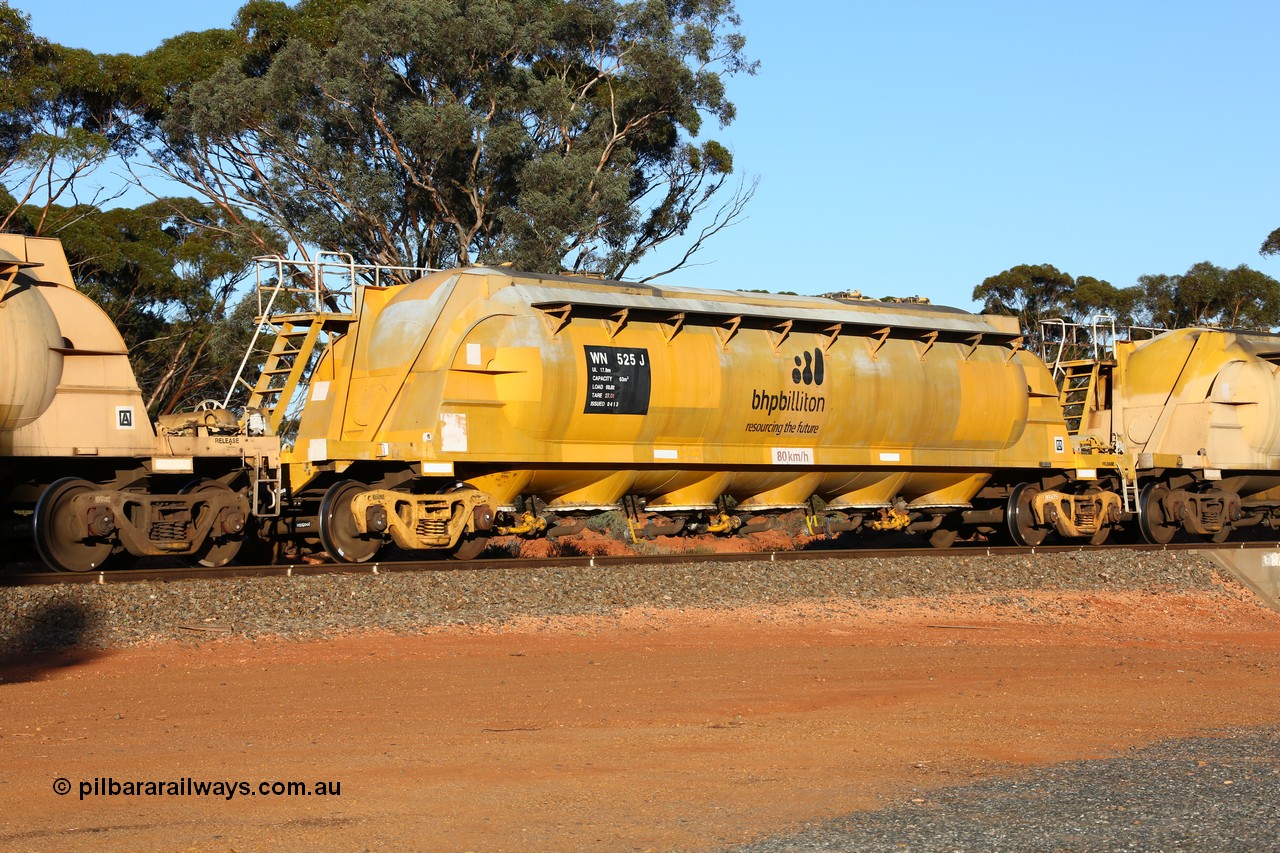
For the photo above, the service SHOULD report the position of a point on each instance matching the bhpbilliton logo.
(810, 371)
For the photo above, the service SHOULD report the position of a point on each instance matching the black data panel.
(617, 381)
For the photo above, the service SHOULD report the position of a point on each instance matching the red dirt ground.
(648, 730)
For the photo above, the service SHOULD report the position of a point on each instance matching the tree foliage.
(166, 273)
(1205, 295)
(63, 114)
(1030, 292)
(1271, 245)
(546, 133)
(171, 274)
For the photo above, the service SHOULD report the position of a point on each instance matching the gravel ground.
(89, 615)
(1219, 793)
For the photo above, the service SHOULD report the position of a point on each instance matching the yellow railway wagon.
(1196, 413)
(484, 400)
(84, 474)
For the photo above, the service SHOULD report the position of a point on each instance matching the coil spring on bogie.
(432, 527)
(168, 531)
(1086, 514)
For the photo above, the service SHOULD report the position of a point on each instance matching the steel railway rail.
(44, 578)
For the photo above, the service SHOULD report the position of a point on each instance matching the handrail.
(275, 274)
(257, 332)
(1045, 341)
(314, 272)
(1104, 342)
(1060, 340)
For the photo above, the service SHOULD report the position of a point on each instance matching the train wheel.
(941, 537)
(1019, 518)
(1104, 528)
(469, 549)
(54, 529)
(945, 534)
(219, 548)
(473, 545)
(338, 534)
(1151, 521)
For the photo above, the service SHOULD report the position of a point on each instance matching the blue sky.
(919, 147)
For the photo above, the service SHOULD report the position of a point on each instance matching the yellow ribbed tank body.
(582, 391)
(30, 361)
(67, 388)
(1202, 399)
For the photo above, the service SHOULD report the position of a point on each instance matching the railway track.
(25, 577)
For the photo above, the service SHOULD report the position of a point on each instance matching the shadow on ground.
(55, 636)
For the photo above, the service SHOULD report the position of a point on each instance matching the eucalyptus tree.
(61, 119)
(1031, 292)
(1090, 298)
(546, 133)
(1207, 294)
(1271, 245)
(174, 276)
(168, 273)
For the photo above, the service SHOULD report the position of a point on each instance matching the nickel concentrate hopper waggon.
(483, 401)
(1194, 417)
(84, 474)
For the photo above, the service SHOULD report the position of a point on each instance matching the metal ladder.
(266, 489)
(1128, 479)
(1079, 384)
(287, 368)
(303, 305)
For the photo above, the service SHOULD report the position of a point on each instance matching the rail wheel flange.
(338, 534)
(472, 545)
(1020, 519)
(1151, 523)
(219, 547)
(54, 528)
(469, 549)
